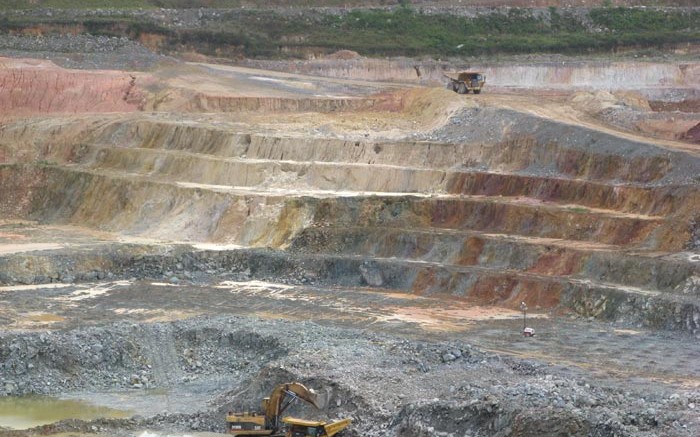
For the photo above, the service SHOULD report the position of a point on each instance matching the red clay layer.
(29, 87)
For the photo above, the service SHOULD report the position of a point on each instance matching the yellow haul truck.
(271, 423)
(466, 81)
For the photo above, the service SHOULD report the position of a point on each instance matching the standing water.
(30, 411)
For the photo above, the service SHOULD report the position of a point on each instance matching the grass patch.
(222, 4)
(72, 4)
(406, 32)
(398, 32)
(46, 163)
(178, 4)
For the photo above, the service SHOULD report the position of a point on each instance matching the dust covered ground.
(175, 242)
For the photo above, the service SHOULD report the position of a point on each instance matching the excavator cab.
(246, 424)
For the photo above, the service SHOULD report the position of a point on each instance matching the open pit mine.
(175, 243)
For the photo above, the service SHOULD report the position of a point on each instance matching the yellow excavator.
(271, 423)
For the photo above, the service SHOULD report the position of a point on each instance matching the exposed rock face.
(548, 75)
(558, 194)
(80, 51)
(127, 356)
(28, 86)
(693, 134)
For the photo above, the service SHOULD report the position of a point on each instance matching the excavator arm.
(282, 397)
(269, 423)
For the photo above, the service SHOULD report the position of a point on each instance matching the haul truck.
(466, 81)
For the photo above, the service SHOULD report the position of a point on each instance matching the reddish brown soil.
(30, 86)
(693, 134)
(682, 106)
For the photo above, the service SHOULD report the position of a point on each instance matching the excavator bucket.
(274, 405)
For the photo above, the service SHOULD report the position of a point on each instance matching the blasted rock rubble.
(386, 384)
(85, 52)
(174, 265)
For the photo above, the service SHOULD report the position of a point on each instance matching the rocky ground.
(175, 355)
(82, 51)
(387, 384)
(177, 255)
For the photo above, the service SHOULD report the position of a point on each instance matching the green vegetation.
(196, 4)
(72, 4)
(402, 31)
(178, 4)
(406, 32)
(635, 20)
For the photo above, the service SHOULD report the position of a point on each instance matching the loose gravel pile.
(387, 385)
(518, 131)
(82, 51)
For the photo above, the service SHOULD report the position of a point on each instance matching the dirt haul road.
(175, 243)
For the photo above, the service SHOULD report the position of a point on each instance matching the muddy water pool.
(30, 411)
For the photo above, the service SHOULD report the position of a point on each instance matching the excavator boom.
(282, 397)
